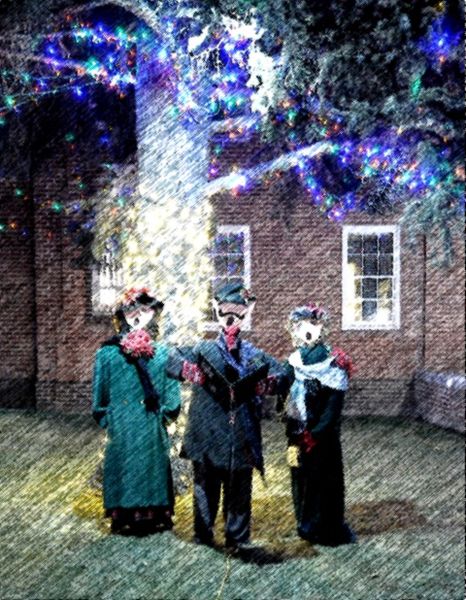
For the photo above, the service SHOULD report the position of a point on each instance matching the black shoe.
(345, 536)
(312, 538)
(118, 526)
(202, 541)
(242, 548)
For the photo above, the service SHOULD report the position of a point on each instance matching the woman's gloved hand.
(306, 441)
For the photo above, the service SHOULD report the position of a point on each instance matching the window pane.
(369, 310)
(354, 244)
(235, 280)
(108, 297)
(369, 287)
(221, 265)
(358, 288)
(355, 264)
(354, 310)
(221, 244)
(370, 244)
(235, 265)
(386, 265)
(217, 283)
(386, 243)
(370, 264)
(385, 291)
(357, 311)
(385, 312)
(236, 243)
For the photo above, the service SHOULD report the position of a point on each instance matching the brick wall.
(296, 256)
(301, 260)
(17, 302)
(68, 334)
(444, 312)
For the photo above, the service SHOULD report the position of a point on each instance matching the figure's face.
(306, 332)
(230, 314)
(139, 317)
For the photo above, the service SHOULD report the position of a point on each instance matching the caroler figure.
(320, 378)
(223, 433)
(134, 401)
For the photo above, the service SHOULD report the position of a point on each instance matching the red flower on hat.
(130, 296)
(137, 344)
(318, 310)
(343, 361)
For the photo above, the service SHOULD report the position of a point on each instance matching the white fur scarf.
(327, 373)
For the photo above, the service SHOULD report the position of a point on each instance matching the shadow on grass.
(372, 518)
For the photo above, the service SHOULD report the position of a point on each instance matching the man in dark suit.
(223, 433)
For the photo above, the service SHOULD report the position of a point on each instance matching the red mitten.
(343, 361)
(192, 373)
(307, 442)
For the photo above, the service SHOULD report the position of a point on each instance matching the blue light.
(162, 54)
(349, 201)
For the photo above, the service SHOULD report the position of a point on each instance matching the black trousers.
(237, 489)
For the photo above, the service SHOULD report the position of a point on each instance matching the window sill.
(370, 327)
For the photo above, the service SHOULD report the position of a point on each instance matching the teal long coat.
(137, 463)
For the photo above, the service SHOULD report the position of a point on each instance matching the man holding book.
(223, 433)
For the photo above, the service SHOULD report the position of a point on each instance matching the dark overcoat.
(224, 430)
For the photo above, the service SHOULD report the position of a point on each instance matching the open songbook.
(220, 384)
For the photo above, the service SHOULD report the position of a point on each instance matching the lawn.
(405, 485)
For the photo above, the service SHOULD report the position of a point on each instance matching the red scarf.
(231, 336)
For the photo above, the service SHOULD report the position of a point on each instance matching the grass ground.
(405, 486)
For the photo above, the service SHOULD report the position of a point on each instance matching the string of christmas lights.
(85, 55)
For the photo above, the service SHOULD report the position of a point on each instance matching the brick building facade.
(49, 334)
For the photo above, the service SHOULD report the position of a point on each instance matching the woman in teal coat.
(134, 401)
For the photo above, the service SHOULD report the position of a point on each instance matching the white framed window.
(371, 277)
(107, 282)
(231, 260)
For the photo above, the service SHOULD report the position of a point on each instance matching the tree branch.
(282, 163)
(138, 8)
